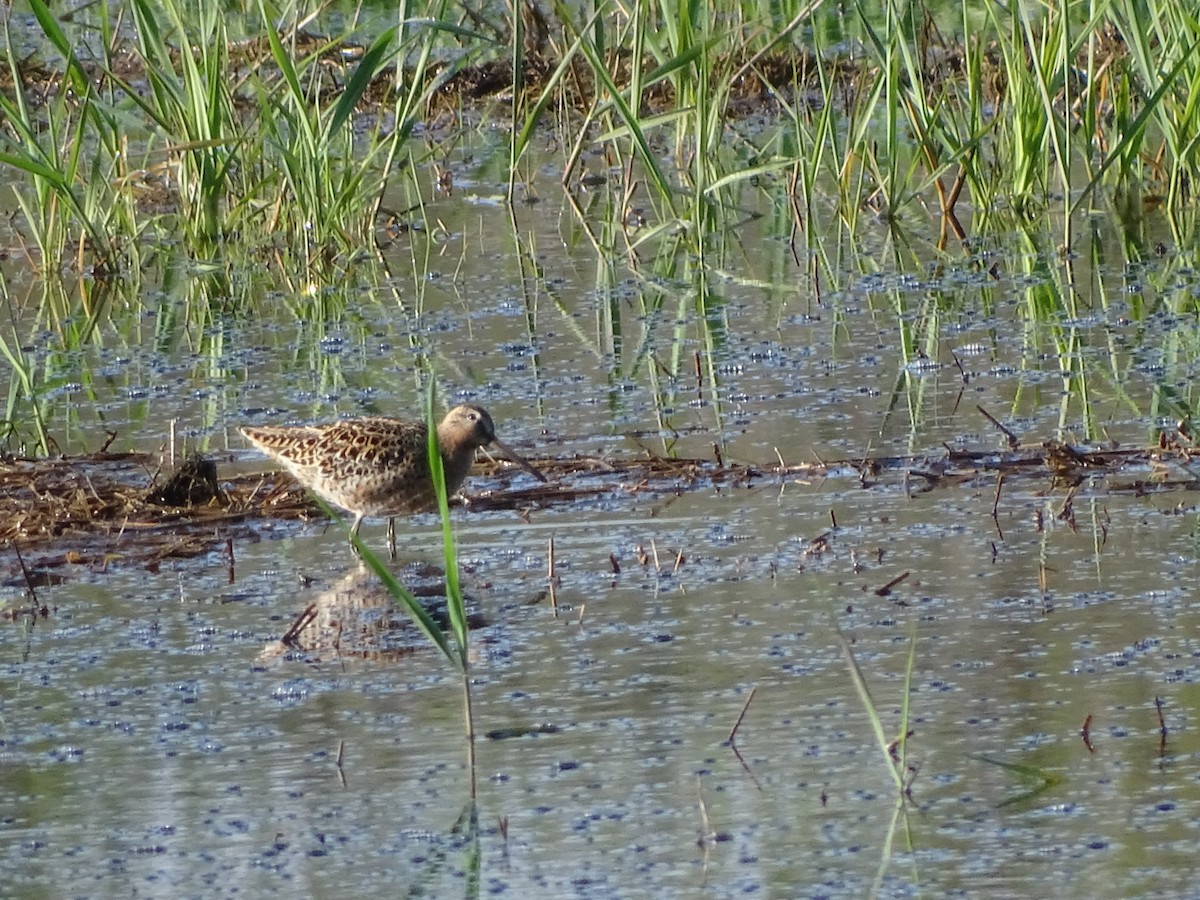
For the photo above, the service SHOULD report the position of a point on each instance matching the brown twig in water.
(996, 511)
(886, 590)
(955, 190)
(738, 755)
(1086, 733)
(1013, 441)
(962, 388)
(738, 724)
(832, 518)
(299, 624)
(25, 573)
(913, 772)
(1066, 512)
(961, 371)
(1162, 725)
(797, 215)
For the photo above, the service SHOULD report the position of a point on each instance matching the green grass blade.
(864, 694)
(32, 166)
(625, 113)
(56, 36)
(455, 606)
(368, 67)
(1150, 108)
(411, 605)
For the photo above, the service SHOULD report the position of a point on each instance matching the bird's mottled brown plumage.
(377, 466)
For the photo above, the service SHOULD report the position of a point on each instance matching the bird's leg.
(354, 533)
(392, 537)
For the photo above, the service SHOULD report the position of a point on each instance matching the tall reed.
(454, 646)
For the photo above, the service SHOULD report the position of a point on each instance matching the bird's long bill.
(513, 456)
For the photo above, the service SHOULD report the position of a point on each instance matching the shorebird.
(377, 466)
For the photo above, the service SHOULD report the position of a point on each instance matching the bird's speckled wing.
(375, 465)
(359, 446)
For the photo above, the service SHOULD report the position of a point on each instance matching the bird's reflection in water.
(356, 617)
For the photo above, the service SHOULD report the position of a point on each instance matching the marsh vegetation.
(860, 341)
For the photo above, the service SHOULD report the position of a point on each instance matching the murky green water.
(154, 741)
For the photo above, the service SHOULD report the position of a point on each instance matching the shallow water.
(150, 741)
(153, 734)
